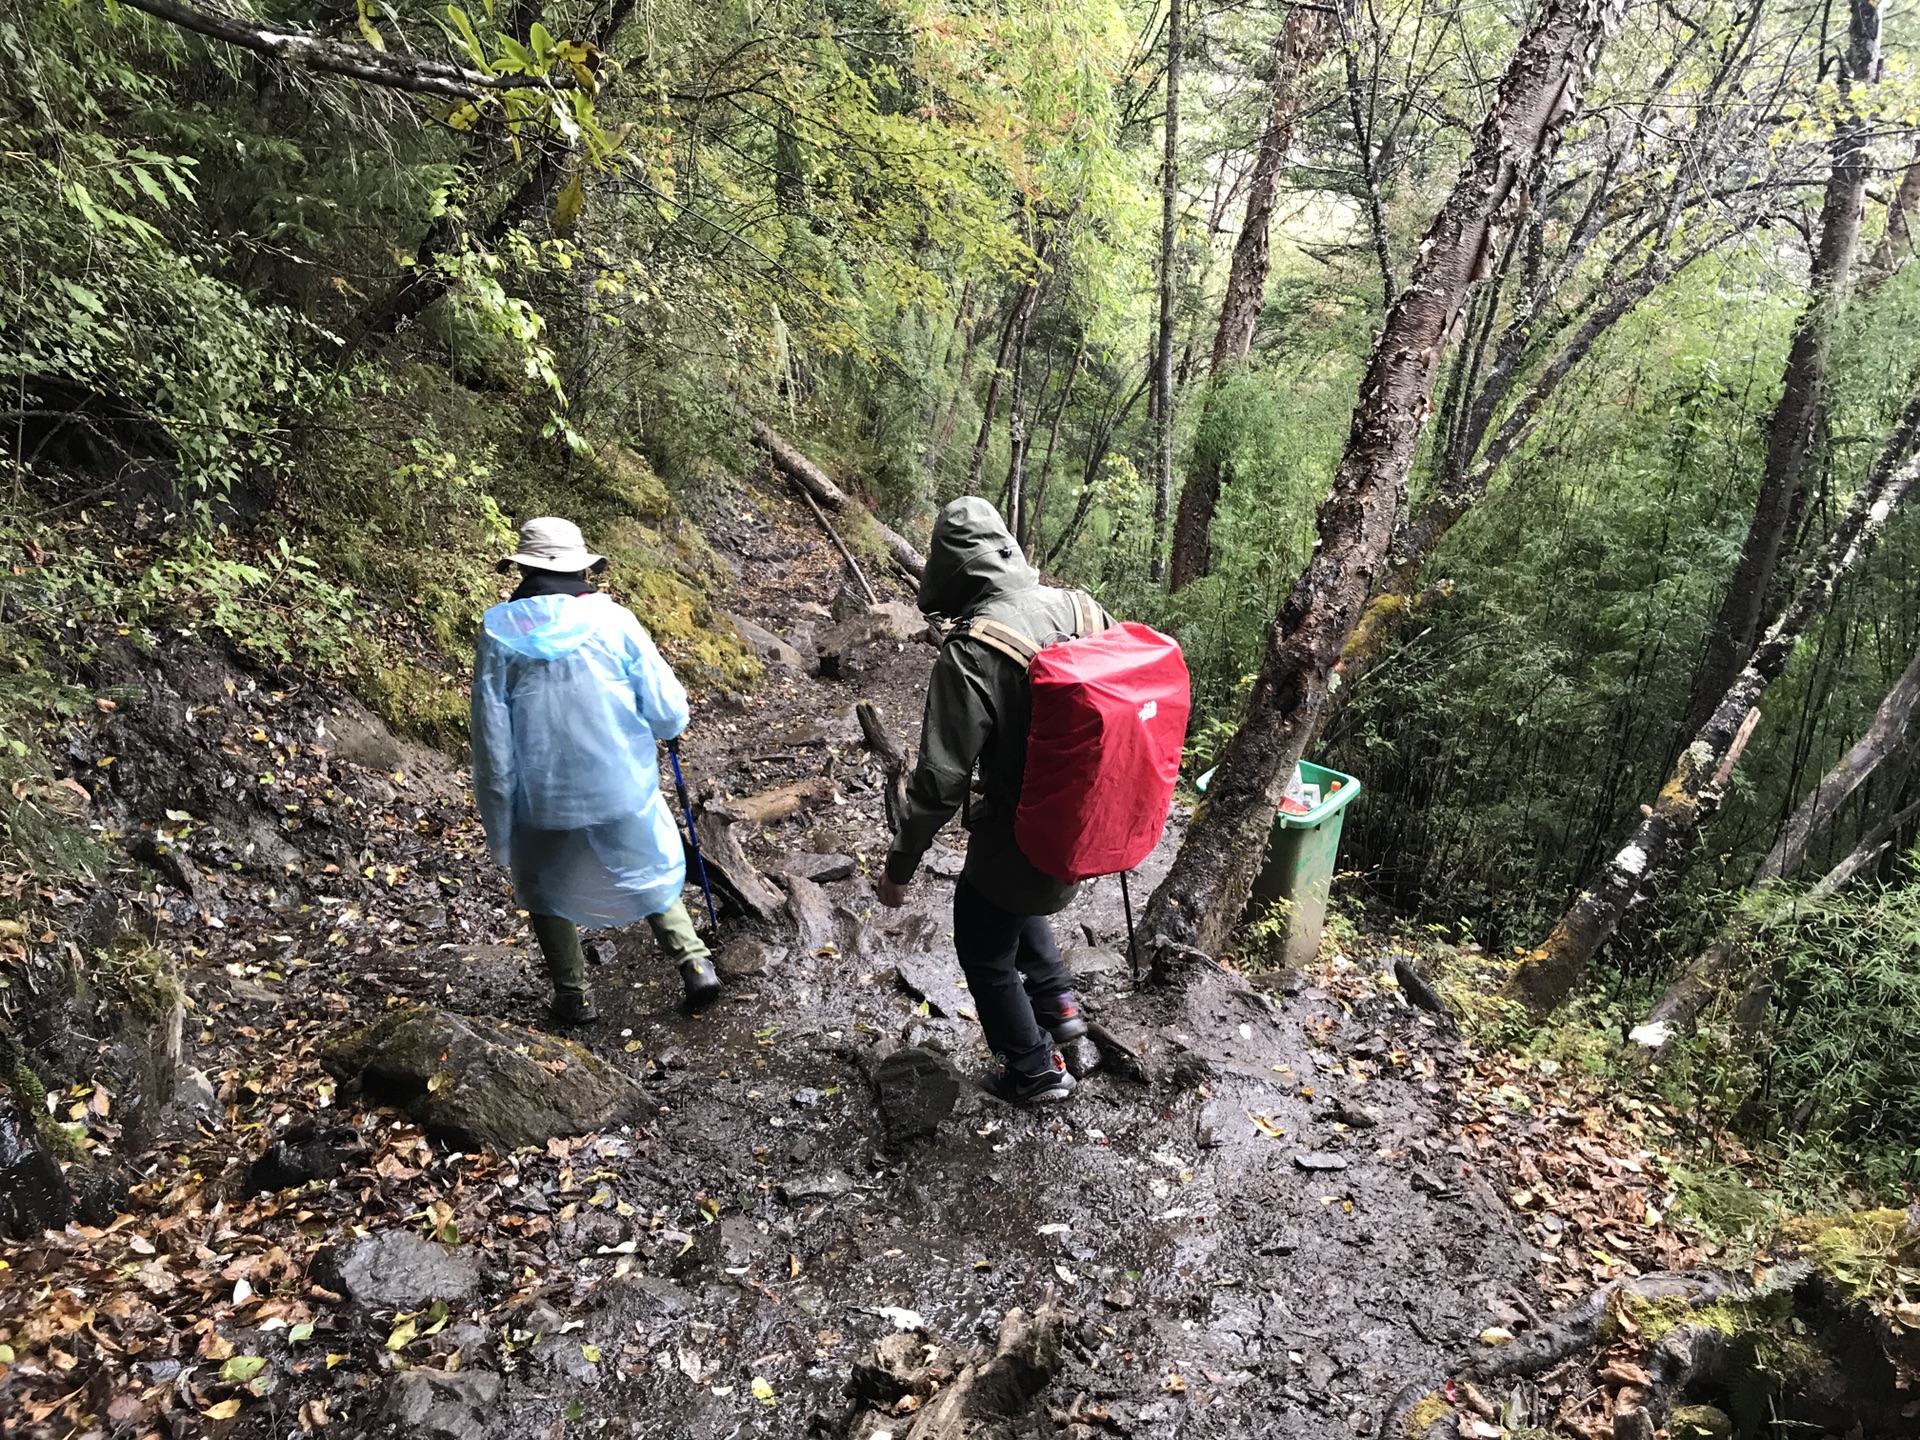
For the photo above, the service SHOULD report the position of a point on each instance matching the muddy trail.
(1269, 1210)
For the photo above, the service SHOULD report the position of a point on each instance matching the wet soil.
(1268, 1236)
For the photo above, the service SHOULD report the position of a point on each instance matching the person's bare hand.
(893, 894)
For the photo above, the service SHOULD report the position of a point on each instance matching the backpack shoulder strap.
(1088, 619)
(1004, 638)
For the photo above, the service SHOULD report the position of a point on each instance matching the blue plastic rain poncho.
(569, 696)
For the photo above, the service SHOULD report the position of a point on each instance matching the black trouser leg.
(1009, 961)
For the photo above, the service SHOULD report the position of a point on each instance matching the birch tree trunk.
(1887, 734)
(1795, 417)
(1197, 905)
(1163, 345)
(1549, 974)
(1304, 41)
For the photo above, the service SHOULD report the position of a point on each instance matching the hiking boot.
(575, 1008)
(1059, 1015)
(1049, 1087)
(701, 980)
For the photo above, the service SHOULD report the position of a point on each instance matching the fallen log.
(819, 487)
(846, 555)
(769, 806)
(893, 760)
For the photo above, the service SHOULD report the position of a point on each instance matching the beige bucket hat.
(550, 543)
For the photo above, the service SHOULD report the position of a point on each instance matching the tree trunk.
(1304, 41)
(1896, 242)
(1196, 906)
(1097, 450)
(1790, 433)
(1864, 854)
(1017, 318)
(1014, 502)
(1163, 345)
(1690, 797)
(1887, 734)
(1730, 960)
(1193, 525)
(1369, 181)
(1029, 538)
(1446, 506)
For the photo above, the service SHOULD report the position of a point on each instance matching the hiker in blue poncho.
(569, 699)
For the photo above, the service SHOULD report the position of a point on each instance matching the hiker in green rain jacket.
(977, 713)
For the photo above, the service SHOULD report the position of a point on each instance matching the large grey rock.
(398, 1270)
(863, 638)
(764, 643)
(442, 1405)
(478, 1082)
(916, 1089)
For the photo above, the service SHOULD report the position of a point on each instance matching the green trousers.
(567, 960)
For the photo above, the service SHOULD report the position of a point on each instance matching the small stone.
(811, 1189)
(398, 1270)
(442, 1405)
(1351, 1113)
(195, 1092)
(1699, 1422)
(303, 1155)
(743, 959)
(916, 1090)
(806, 1098)
(1319, 1160)
(601, 951)
(1090, 960)
(1082, 1057)
(1429, 1183)
(1121, 1298)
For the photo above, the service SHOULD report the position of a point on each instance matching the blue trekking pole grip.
(686, 808)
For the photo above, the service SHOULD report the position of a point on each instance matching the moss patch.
(1862, 1253)
(1427, 1411)
(414, 701)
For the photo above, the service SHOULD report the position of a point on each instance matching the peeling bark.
(1198, 903)
(1305, 40)
(1692, 795)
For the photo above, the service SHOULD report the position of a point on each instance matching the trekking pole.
(1133, 952)
(686, 808)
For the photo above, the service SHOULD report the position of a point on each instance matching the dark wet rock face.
(33, 1193)
(916, 1089)
(436, 1405)
(398, 1270)
(479, 1082)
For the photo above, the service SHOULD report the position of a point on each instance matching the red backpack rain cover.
(1109, 720)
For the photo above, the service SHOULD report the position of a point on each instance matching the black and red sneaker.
(1059, 1015)
(1048, 1087)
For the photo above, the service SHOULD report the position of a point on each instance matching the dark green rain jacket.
(978, 708)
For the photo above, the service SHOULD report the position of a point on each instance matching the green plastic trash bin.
(1301, 851)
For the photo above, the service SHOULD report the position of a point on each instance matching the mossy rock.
(1862, 1253)
(699, 642)
(476, 1082)
(626, 474)
(413, 700)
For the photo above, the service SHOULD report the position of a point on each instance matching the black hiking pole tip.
(693, 835)
(1133, 952)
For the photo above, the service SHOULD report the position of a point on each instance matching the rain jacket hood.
(971, 561)
(545, 627)
(569, 699)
